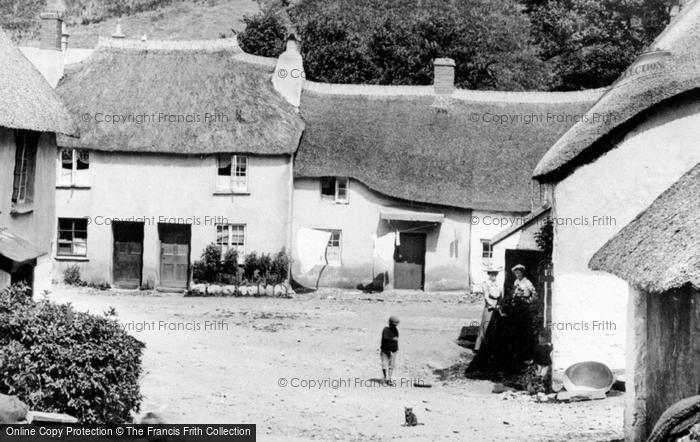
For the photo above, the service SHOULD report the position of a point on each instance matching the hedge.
(57, 359)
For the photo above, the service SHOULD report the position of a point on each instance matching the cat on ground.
(411, 419)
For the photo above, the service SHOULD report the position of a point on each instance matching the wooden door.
(174, 255)
(672, 370)
(128, 254)
(409, 261)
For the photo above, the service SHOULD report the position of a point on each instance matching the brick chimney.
(444, 76)
(51, 32)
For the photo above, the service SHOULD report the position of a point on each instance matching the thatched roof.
(670, 67)
(183, 81)
(26, 99)
(16, 248)
(660, 249)
(408, 143)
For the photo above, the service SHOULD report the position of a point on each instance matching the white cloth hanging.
(311, 248)
(384, 247)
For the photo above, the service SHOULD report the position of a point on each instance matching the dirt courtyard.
(301, 368)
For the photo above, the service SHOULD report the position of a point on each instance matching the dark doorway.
(409, 261)
(174, 255)
(128, 254)
(532, 260)
(672, 364)
(25, 274)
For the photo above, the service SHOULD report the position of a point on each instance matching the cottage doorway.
(174, 255)
(128, 254)
(25, 274)
(409, 261)
(531, 259)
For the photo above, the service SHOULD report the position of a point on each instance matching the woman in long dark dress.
(511, 337)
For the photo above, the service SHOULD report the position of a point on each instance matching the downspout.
(470, 217)
(290, 217)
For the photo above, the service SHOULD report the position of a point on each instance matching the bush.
(230, 271)
(256, 269)
(208, 268)
(264, 34)
(279, 268)
(251, 271)
(71, 275)
(57, 359)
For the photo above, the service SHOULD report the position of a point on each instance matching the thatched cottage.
(604, 172)
(182, 144)
(413, 181)
(30, 116)
(658, 254)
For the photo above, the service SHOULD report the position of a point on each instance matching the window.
(232, 175)
(231, 237)
(333, 249)
(486, 250)
(72, 237)
(74, 165)
(335, 189)
(25, 166)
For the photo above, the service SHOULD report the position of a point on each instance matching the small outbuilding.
(658, 254)
(30, 117)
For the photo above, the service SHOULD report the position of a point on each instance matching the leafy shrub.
(250, 266)
(264, 34)
(57, 359)
(257, 268)
(279, 268)
(71, 275)
(230, 271)
(545, 238)
(208, 268)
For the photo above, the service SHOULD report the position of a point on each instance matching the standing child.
(389, 347)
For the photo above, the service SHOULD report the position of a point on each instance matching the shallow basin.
(588, 376)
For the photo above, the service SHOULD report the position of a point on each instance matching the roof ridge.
(169, 45)
(222, 44)
(373, 90)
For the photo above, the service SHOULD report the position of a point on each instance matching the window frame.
(337, 260)
(335, 183)
(72, 242)
(24, 172)
(229, 228)
(235, 181)
(486, 250)
(78, 177)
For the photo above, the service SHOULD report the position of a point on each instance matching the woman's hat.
(492, 269)
(394, 320)
(518, 267)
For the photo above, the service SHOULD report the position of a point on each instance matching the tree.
(264, 33)
(396, 41)
(589, 43)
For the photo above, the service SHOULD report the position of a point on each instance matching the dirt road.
(301, 368)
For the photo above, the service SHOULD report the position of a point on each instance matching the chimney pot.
(444, 76)
(118, 31)
(292, 43)
(64, 38)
